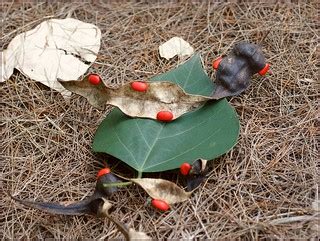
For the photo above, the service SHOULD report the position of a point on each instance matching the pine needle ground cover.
(264, 187)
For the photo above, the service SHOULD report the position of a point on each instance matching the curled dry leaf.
(56, 48)
(175, 46)
(162, 190)
(158, 97)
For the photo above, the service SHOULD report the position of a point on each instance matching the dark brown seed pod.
(88, 206)
(91, 205)
(236, 69)
(103, 181)
(197, 174)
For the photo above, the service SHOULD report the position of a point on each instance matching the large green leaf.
(152, 146)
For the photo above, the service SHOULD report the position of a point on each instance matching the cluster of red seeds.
(165, 116)
(156, 203)
(140, 86)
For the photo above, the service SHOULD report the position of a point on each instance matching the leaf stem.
(139, 174)
(117, 184)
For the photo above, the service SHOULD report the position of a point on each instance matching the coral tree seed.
(139, 86)
(94, 79)
(216, 63)
(103, 171)
(165, 116)
(161, 205)
(265, 69)
(185, 169)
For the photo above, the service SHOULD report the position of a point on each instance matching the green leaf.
(190, 76)
(152, 146)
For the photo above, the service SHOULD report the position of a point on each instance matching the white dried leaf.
(55, 49)
(138, 236)
(175, 46)
(162, 190)
(203, 164)
(158, 97)
(106, 206)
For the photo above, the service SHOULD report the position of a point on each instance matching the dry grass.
(255, 191)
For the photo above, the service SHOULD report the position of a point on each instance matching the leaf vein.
(144, 138)
(190, 71)
(126, 148)
(151, 147)
(160, 163)
(193, 127)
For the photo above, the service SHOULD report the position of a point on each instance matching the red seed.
(94, 79)
(139, 86)
(265, 69)
(185, 169)
(165, 116)
(216, 63)
(103, 171)
(161, 205)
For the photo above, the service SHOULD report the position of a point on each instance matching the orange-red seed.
(185, 169)
(94, 79)
(216, 63)
(160, 204)
(165, 116)
(103, 171)
(139, 86)
(265, 69)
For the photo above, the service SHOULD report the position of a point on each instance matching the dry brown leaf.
(159, 96)
(162, 190)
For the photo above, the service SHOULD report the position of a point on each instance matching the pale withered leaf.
(159, 96)
(55, 49)
(162, 190)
